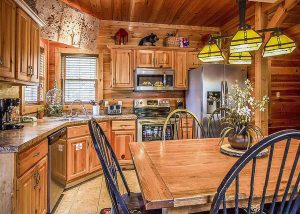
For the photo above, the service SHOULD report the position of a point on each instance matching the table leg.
(175, 210)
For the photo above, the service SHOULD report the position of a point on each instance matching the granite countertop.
(17, 140)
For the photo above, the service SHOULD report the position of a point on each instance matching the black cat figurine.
(152, 38)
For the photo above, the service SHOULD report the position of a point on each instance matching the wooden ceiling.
(212, 13)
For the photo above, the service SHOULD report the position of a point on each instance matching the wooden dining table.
(183, 176)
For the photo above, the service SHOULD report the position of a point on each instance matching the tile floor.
(91, 196)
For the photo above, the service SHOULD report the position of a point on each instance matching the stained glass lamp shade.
(279, 44)
(211, 53)
(242, 58)
(245, 40)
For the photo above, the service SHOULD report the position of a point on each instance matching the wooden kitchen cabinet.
(7, 38)
(123, 132)
(77, 157)
(181, 70)
(27, 48)
(94, 163)
(145, 58)
(32, 189)
(120, 142)
(192, 60)
(122, 69)
(154, 58)
(34, 51)
(164, 59)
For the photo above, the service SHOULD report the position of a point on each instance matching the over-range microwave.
(154, 79)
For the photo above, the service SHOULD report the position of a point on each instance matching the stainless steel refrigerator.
(209, 86)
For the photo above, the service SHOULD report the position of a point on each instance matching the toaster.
(114, 109)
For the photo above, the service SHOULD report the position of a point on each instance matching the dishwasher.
(57, 166)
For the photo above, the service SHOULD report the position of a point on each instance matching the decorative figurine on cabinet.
(121, 37)
(149, 40)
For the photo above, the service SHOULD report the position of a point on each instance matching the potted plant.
(40, 112)
(239, 125)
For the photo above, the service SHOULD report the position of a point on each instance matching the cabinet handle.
(37, 179)
(28, 71)
(1, 61)
(36, 154)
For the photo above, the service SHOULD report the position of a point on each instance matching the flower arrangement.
(238, 122)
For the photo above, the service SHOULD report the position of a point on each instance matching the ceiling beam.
(281, 13)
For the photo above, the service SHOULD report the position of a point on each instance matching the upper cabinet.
(27, 48)
(7, 38)
(192, 60)
(122, 69)
(19, 42)
(181, 70)
(154, 58)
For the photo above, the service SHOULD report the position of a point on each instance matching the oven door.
(152, 130)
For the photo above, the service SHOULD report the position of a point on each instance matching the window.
(79, 75)
(34, 93)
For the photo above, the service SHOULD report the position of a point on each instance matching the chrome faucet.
(82, 105)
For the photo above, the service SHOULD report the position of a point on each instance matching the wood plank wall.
(137, 32)
(285, 81)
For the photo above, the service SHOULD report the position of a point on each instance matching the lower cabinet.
(32, 189)
(77, 157)
(82, 158)
(120, 142)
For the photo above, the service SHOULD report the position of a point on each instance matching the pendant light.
(211, 52)
(242, 58)
(278, 44)
(246, 39)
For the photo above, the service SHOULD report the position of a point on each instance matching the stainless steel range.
(152, 114)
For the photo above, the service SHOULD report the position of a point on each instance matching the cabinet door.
(34, 51)
(163, 59)
(122, 69)
(77, 161)
(145, 58)
(7, 38)
(94, 160)
(23, 46)
(120, 142)
(192, 60)
(41, 188)
(26, 196)
(180, 70)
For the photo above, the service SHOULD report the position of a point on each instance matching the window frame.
(58, 66)
(63, 77)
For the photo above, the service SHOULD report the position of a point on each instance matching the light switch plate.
(106, 103)
(120, 102)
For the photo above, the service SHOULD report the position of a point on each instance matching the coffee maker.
(6, 110)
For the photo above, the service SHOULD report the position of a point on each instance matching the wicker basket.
(171, 41)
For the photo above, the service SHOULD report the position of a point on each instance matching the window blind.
(34, 94)
(79, 77)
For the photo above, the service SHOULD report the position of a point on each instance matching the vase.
(239, 141)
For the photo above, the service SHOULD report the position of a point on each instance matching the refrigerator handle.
(226, 94)
(222, 94)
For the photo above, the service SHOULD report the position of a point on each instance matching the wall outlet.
(120, 102)
(106, 104)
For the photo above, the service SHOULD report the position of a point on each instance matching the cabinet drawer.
(123, 125)
(104, 126)
(77, 131)
(28, 158)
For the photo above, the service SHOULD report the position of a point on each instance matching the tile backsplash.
(9, 91)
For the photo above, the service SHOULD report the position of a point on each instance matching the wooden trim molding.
(155, 25)
(30, 12)
(58, 55)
